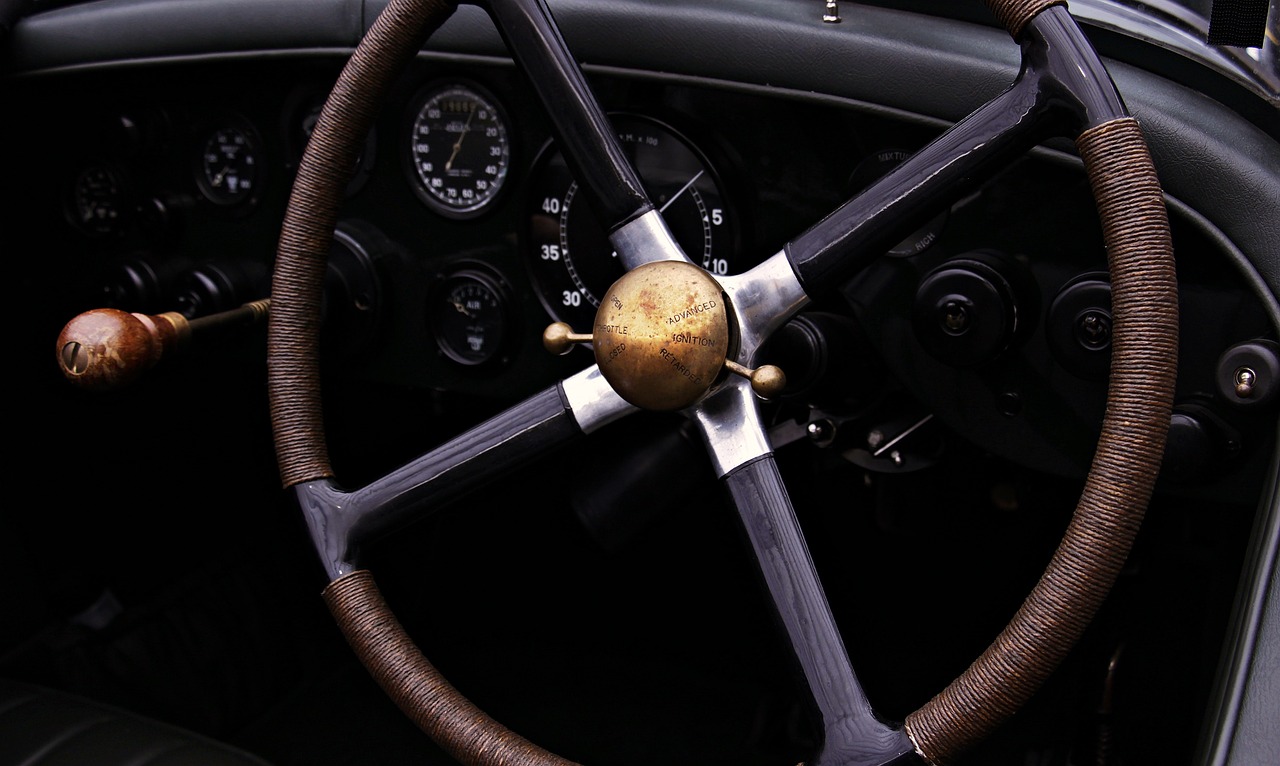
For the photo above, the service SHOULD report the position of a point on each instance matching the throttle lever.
(107, 349)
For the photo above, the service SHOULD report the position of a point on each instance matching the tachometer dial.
(570, 256)
(459, 150)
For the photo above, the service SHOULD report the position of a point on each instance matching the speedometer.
(459, 149)
(569, 252)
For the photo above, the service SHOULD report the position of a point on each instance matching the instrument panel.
(463, 235)
(477, 235)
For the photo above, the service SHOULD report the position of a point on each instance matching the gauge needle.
(691, 182)
(457, 145)
(462, 309)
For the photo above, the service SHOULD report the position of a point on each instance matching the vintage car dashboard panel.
(158, 177)
(451, 257)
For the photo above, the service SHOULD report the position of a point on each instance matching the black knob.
(1078, 327)
(971, 309)
(1199, 444)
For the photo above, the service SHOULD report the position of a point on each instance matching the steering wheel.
(689, 345)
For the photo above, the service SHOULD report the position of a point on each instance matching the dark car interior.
(600, 598)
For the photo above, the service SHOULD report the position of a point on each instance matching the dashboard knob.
(109, 348)
(1078, 327)
(1248, 374)
(1200, 444)
(971, 309)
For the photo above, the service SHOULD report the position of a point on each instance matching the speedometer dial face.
(459, 149)
(569, 252)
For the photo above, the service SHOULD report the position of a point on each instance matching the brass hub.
(661, 335)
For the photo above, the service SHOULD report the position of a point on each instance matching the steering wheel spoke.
(583, 130)
(852, 735)
(730, 425)
(343, 522)
(1060, 91)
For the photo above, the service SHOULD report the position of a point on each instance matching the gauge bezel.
(257, 148)
(489, 200)
(120, 192)
(476, 273)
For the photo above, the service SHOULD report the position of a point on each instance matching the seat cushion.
(43, 727)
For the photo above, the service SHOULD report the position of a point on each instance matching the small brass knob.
(767, 381)
(559, 337)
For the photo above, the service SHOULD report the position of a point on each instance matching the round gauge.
(229, 168)
(467, 314)
(572, 261)
(459, 150)
(97, 204)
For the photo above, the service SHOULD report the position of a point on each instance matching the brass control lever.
(661, 338)
(107, 349)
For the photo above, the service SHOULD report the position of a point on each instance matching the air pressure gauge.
(468, 316)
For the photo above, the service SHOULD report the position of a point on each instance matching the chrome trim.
(593, 401)
(644, 240)
(763, 298)
(730, 424)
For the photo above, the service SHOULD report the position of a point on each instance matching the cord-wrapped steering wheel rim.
(1077, 579)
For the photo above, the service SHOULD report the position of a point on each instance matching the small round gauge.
(230, 165)
(467, 314)
(98, 206)
(459, 149)
(569, 253)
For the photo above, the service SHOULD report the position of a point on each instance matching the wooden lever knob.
(109, 348)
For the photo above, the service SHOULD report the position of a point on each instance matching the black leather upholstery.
(42, 727)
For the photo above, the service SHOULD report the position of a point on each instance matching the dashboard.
(941, 406)
(463, 237)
